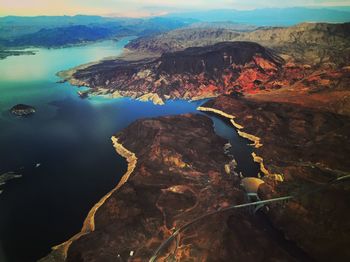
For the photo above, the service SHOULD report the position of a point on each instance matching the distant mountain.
(14, 26)
(307, 42)
(56, 37)
(224, 25)
(54, 31)
(270, 16)
(182, 38)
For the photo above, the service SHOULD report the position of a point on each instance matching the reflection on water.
(47, 62)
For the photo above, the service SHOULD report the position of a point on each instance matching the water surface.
(70, 138)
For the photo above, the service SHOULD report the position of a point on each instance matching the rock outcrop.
(22, 110)
(190, 74)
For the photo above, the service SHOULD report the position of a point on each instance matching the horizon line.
(165, 13)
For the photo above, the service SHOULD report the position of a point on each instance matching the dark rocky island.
(22, 110)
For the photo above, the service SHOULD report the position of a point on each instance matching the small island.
(6, 53)
(22, 110)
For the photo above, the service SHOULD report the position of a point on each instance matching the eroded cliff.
(190, 74)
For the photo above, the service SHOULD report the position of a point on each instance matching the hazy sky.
(138, 8)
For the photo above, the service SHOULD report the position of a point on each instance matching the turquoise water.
(32, 78)
(70, 138)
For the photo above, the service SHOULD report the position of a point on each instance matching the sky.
(143, 8)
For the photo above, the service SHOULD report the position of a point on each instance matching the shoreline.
(33, 50)
(127, 55)
(67, 76)
(256, 141)
(60, 251)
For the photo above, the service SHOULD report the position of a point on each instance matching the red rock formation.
(193, 73)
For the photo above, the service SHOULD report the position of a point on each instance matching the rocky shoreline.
(199, 73)
(68, 75)
(59, 252)
(255, 141)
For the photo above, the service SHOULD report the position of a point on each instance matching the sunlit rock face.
(191, 74)
(223, 68)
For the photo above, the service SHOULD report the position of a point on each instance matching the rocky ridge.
(194, 73)
(310, 43)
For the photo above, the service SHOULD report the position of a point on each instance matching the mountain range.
(16, 31)
(305, 42)
(270, 16)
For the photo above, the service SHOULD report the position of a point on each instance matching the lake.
(70, 138)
